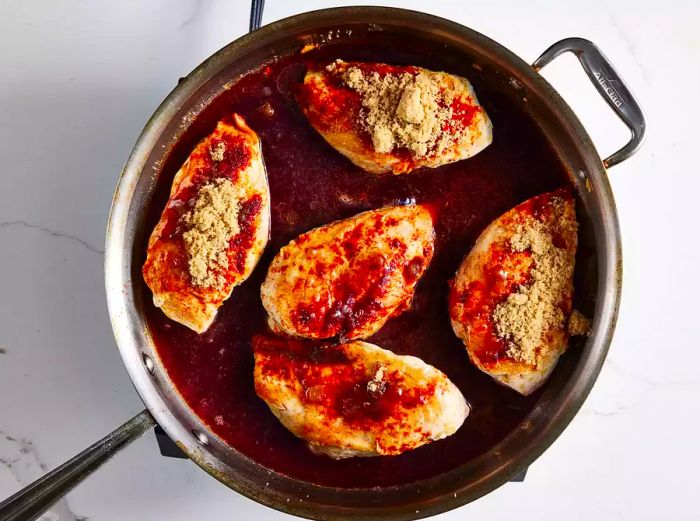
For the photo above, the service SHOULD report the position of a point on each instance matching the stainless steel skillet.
(556, 407)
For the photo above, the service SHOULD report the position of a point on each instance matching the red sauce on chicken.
(481, 297)
(339, 384)
(235, 155)
(355, 300)
(506, 270)
(341, 105)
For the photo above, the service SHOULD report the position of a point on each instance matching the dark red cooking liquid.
(311, 185)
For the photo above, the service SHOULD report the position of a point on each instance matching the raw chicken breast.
(356, 399)
(386, 118)
(347, 278)
(214, 227)
(512, 295)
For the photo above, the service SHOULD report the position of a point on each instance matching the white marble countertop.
(77, 82)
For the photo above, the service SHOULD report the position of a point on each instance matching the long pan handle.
(35, 499)
(256, 12)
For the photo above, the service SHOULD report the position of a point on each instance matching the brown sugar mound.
(578, 325)
(404, 111)
(217, 152)
(210, 224)
(526, 316)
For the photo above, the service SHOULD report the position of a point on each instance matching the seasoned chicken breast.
(386, 118)
(214, 227)
(356, 399)
(512, 296)
(347, 278)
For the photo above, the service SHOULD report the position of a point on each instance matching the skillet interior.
(179, 116)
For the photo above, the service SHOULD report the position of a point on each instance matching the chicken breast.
(347, 278)
(214, 227)
(386, 118)
(356, 399)
(512, 296)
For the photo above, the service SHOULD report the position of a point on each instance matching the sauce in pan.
(311, 185)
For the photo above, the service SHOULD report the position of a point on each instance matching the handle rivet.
(148, 363)
(200, 437)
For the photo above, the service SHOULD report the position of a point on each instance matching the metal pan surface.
(600, 275)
